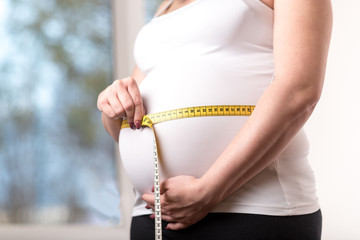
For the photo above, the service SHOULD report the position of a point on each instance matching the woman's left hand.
(185, 200)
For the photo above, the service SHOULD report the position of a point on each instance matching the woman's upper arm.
(302, 30)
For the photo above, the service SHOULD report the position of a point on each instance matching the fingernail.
(132, 126)
(152, 189)
(167, 227)
(147, 207)
(138, 124)
(152, 216)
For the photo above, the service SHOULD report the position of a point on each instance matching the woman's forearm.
(278, 116)
(112, 126)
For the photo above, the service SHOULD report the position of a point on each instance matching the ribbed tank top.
(212, 52)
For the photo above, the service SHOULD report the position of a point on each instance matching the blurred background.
(60, 175)
(57, 164)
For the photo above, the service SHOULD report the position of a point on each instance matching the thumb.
(176, 226)
(149, 198)
(163, 186)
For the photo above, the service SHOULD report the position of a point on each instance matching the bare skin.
(302, 31)
(122, 99)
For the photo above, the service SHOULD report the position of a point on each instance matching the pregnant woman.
(224, 177)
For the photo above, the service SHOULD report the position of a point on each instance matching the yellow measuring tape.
(202, 111)
(189, 112)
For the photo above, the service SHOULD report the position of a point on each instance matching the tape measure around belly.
(154, 118)
(189, 112)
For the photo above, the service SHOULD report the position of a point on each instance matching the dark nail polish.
(132, 126)
(138, 124)
(147, 207)
(152, 189)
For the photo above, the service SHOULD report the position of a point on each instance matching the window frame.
(128, 17)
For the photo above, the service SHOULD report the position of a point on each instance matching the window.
(56, 161)
(57, 164)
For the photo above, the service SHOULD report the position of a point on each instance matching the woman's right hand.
(122, 99)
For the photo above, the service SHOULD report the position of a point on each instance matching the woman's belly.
(186, 147)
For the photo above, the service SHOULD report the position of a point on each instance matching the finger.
(164, 202)
(100, 100)
(125, 100)
(104, 106)
(149, 199)
(163, 187)
(176, 226)
(166, 212)
(115, 104)
(108, 111)
(149, 206)
(167, 218)
(137, 101)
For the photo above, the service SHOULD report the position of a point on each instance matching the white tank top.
(212, 52)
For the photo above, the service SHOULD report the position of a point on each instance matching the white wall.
(334, 128)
